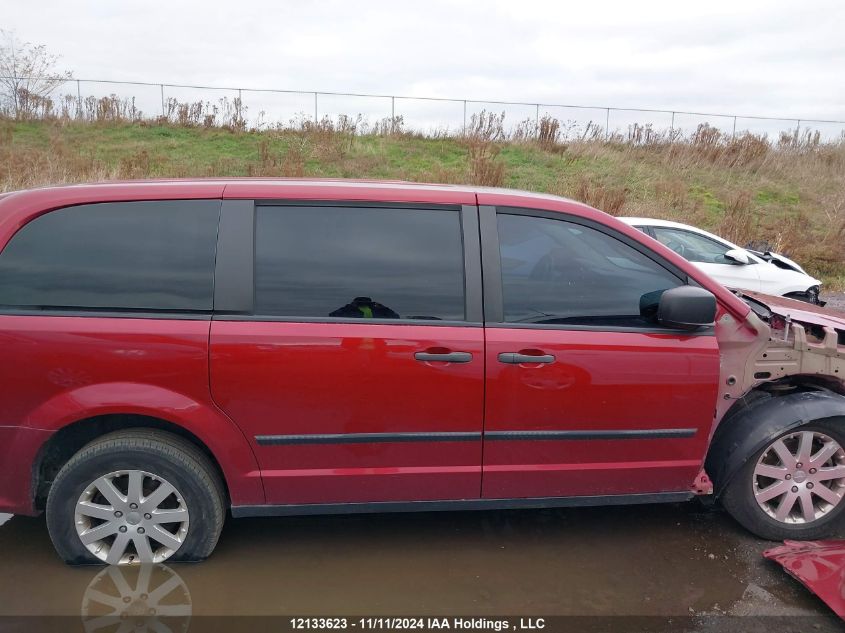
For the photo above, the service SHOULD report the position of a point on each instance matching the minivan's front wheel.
(794, 487)
(136, 496)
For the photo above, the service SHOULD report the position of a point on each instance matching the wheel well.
(760, 415)
(808, 382)
(776, 388)
(67, 441)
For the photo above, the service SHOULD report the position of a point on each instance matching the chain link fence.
(252, 108)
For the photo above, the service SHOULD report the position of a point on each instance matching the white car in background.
(731, 265)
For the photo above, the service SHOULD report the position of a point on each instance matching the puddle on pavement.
(670, 560)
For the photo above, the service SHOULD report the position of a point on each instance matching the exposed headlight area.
(811, 295)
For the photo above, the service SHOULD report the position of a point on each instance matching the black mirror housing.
(687, 308)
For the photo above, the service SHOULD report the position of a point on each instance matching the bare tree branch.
(27, 77)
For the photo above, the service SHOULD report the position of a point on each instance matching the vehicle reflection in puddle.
(669, 560)
(138, 598)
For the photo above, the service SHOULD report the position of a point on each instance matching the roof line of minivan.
(288, 181)
(475, 192)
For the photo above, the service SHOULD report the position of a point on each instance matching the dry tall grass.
(607, 198)
(482, 139)
(786, 193)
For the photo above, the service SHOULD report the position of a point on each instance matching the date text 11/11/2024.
(416, 623)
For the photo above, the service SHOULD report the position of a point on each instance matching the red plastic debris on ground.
(818, 565)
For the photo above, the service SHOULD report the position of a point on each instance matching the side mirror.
(738, 256)
(686, 308)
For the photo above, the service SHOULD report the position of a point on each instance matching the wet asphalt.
(686, 561)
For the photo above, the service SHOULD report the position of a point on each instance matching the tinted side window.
(693, 247)
(359, 263)
(122, 255)
(554, 271)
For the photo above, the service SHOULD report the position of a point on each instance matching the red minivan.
(176, 350)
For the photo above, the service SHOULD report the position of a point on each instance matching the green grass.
(789, 195)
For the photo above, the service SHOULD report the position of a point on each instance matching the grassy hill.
(789, 194)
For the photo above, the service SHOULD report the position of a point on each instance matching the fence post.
(607, 126)
(163, 114)
(240, 106)
(733, 134)
(315, 108)
(672, 126)
(465, 117)
(797, 129)
(78, 100)
(537, 119)
(392, 115)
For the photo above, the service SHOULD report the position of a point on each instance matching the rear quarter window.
(120, 256)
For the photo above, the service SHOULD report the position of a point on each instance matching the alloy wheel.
(800, 477)
(131, 516)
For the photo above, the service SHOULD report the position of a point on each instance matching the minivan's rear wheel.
(136, 496)
(794, 487)
(131, 516)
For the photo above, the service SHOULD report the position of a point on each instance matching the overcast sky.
(768, 57)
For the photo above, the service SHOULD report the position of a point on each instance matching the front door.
(586, 395)
(358, 371)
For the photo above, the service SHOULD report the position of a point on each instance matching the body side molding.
(458, 504)
(366, 438)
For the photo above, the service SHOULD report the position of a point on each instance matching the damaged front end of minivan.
(797, 344)
(781, 367)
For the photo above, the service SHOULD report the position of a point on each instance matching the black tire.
(738, 498)
(163, 454)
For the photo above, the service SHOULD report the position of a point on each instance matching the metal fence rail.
(421, 112)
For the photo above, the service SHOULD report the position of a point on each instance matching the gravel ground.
(835, 300)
